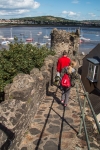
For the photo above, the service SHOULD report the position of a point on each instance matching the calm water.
(32, 32)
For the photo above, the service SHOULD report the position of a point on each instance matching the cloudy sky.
(69, 9)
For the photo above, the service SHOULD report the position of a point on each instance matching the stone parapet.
(62, 40)
(24, 95)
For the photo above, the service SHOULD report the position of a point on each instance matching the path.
(53, 127)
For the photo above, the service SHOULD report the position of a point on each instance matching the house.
(91, 70)
(90, 76)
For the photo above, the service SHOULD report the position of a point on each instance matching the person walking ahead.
(72, 74)
(63, 61)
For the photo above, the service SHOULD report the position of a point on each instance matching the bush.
(20, 58)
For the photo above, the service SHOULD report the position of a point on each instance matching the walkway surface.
(55, 127)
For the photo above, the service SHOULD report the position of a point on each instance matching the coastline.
(35, 25)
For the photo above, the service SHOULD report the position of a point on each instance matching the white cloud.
(11, 4)
(11, 7)
(64, 12)
(16, 12)
(69, 13)
(92, 14)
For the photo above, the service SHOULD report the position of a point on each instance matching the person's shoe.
(65, 105)
(62, 101)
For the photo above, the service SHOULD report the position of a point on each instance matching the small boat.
(48, 43)
(97, 34)
(5, 42)
(40, 32)
(10, 38)
(49, 39)
(84, 39)
(42, 44)
(30, 39)
(3, 38)
(46, 37)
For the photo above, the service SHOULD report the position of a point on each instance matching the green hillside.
(44, 18)
(55, 19)
(52, 20)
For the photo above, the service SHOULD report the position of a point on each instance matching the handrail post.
(83, 114)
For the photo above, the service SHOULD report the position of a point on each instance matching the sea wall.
(24, 95)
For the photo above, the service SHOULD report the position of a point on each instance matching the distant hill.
(49, 21)
(44, 18)
(53, 18)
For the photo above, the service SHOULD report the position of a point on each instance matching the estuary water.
(38, 33)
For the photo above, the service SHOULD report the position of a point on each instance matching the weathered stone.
(53, 129)
(50, 145)
(37, 120)
(37, 141)
(13, 120)
(47, 116)
(56, 122)
(24, 148)
(3, 119)
(75, 116)
(60, 107)
(69, 120)
(68, 135)
(56, 116)
(34, 131)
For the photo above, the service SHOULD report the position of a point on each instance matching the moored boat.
(29, 40)
(46, 36)
(10, 38)
(84, 39)
(5, 42)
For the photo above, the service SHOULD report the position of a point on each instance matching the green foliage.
(20, 58)
(44, 18)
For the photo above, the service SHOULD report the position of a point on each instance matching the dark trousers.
(65, 95)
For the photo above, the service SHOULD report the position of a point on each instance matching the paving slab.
(55, 127)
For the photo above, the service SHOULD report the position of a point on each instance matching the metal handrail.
(92, 110)
(82, 109)
(83, 120)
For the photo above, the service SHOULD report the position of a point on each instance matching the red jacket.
(63, 62)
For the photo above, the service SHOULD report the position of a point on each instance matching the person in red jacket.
(63, 61)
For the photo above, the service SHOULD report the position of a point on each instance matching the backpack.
(65, 81)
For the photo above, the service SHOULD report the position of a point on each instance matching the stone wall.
(62, 40)
(24, 95)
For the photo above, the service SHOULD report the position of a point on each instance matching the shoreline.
(29, 25)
